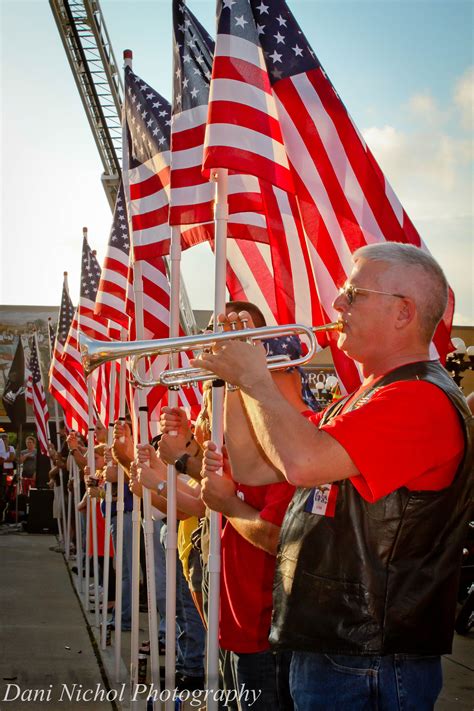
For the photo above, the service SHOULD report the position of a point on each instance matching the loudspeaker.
(40, 512)
(43, 465)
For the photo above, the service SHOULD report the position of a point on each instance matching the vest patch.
(322, 500)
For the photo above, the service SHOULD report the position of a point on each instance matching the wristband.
(181, 463)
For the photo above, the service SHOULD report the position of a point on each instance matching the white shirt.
(8, 466)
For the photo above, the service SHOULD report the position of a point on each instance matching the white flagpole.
(108, 506)
(86, 554)
(119, 519)
(135, 622)
(93, 502)
(69, 518)
(66, 532)
(136, 513)
(147, 514)
(80, 558)
(171, 522)
(148, 521)
(218, 393)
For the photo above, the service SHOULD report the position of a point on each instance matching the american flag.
(148, 121)
(148, 179)
(192, 195)
(94, 326)
(255, 272)
(67, 384)
(36, 397)
(52, 335)
(146, 190)
(264, 65)
(111, 298)
(251, 137)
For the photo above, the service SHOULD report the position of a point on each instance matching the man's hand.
(72, 441)
(93, 492)
(174, 419)
(171, 447)
(217, 492)
(146, 454)
(122, 445)
(133, 483)
(237, 362)
(110, 469)
(147, 476)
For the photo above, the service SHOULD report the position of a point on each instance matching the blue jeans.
(190, 631)
(258, 672)
(340, 682)
(126, 566)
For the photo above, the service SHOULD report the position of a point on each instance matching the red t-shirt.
(408, 434)
(247, 574)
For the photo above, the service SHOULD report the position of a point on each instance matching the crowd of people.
(342, 529)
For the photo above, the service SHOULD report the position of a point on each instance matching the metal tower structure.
(89, 51)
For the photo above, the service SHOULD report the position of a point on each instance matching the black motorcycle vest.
(376, 578)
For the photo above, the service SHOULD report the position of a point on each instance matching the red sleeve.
(277, 498)
(407, 434)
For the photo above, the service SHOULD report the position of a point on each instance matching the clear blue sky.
(403, 69)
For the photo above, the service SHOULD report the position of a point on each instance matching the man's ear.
(406, 312)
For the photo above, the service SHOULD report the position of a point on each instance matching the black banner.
(13, 397)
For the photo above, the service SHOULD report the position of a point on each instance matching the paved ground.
(46, 644)
(44, 640)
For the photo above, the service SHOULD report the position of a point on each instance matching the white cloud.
(464, 97)
(430, 169)
(425, 106)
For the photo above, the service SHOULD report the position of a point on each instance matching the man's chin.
(342, 341)
(344, 344)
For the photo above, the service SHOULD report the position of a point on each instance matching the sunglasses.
(350, 292)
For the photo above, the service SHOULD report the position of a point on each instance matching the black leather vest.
(376, 578)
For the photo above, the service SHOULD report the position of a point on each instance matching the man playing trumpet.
(367, 566)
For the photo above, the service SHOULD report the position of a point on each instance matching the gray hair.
(425, 281)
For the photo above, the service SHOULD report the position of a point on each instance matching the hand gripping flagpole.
(119, 519)
(108, 506)
(148, 520)
(218, 393)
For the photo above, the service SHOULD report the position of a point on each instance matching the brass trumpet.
(95, 353)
